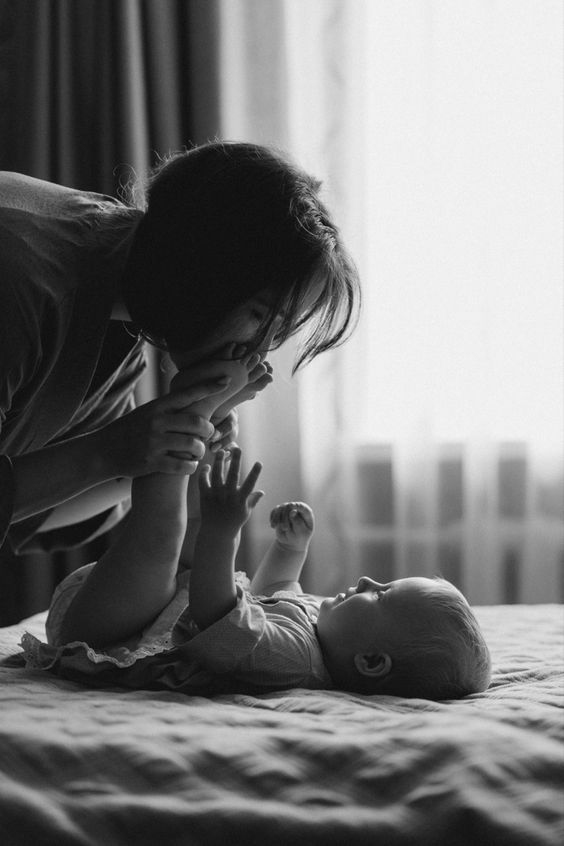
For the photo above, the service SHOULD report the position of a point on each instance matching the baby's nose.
(365, 583)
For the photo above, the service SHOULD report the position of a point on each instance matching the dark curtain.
(91, 88)
(90, 92)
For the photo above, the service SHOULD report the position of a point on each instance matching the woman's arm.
(225, 508)
(160, 436)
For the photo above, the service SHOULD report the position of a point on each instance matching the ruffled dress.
(263, 644)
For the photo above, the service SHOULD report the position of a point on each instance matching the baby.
(131, 620)
(134, 619)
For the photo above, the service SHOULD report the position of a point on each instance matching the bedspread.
(81, 766)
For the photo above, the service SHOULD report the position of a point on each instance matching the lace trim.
(42, 656)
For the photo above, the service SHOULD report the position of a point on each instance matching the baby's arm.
(282, 564)
(225, 507)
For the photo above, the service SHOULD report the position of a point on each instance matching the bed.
(81, 766)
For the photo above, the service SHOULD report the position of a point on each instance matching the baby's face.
(372, 614)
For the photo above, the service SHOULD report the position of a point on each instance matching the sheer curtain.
(432, 442)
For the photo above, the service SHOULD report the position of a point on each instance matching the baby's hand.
(293, 524)
(224, 503)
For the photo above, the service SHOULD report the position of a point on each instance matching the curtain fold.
(92, 92)
(94, 88)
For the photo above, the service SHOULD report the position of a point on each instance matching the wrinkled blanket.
(81, 766)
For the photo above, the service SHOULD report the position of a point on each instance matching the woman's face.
(240, 327)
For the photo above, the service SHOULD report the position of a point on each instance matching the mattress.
(81, 766)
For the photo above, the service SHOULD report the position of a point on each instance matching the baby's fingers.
(218, 469)
(275, 516)
(234, 465)
(280, 515)
(253, 498)
(303, 512)
(204, 480)
(251, 480)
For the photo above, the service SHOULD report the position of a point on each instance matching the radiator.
(486, 523)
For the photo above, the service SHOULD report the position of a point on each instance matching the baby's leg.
(136, 577)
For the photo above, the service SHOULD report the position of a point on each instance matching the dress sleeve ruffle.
(222, 646)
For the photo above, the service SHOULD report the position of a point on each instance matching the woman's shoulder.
(54, 239)
(28, 193)
(43, 214)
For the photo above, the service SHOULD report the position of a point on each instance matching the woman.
(232, 246)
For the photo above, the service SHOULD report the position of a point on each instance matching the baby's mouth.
(348, 593)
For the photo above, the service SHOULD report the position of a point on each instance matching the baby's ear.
(377, 666)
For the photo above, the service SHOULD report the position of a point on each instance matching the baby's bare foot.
(237, 370)
(259, 377)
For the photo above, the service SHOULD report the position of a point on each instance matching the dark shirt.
(65, 366)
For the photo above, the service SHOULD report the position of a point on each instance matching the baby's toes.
(251, 362)
(262, 383)
(257, 370)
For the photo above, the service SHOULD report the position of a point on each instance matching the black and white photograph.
(281, 422)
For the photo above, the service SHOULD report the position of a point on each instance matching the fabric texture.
(80, 766)
(66, 367)
(261, 644)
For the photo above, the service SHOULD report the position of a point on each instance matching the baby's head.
(412, 637)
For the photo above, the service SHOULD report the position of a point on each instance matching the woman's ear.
(377, 666)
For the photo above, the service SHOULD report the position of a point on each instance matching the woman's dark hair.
(222, 222)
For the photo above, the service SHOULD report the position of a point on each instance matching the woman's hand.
(162, 436)
(226, 432)
(226, 418)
